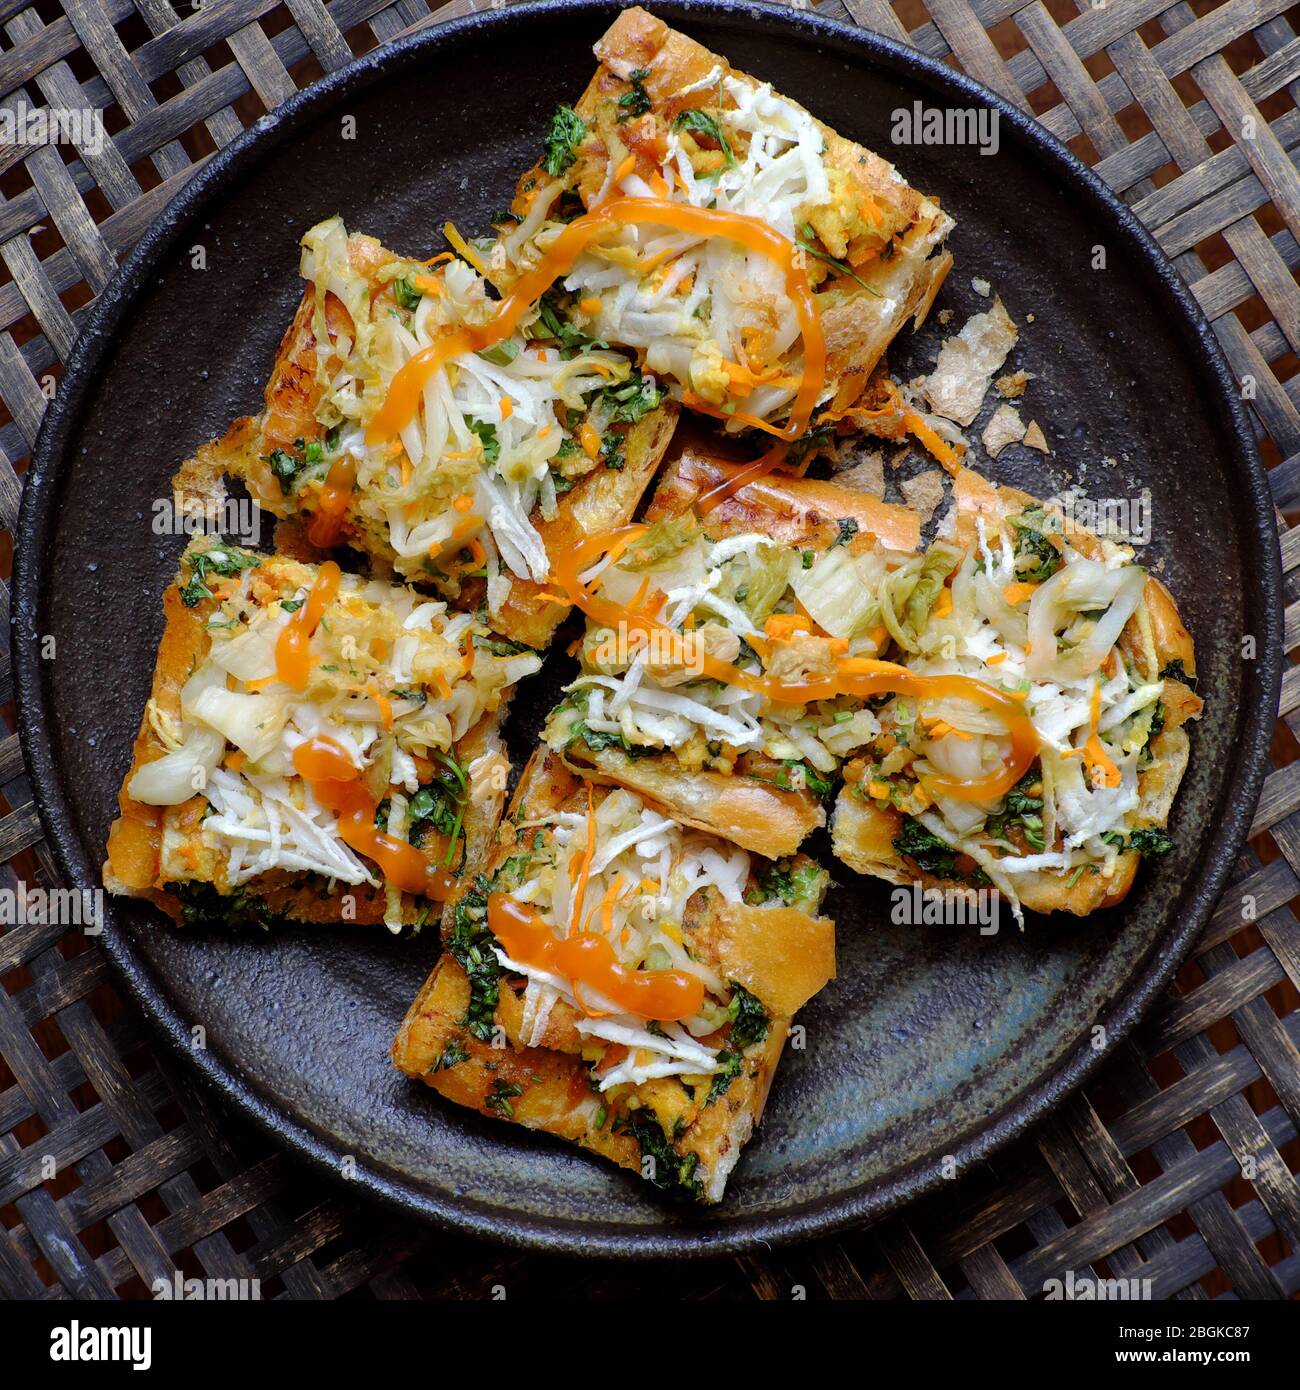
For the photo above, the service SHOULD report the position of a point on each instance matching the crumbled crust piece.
(967, 363)
(1006, 427)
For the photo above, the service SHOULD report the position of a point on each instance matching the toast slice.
(1093, 649)
(512, 452)
(686, 917)
(774, 585)
(718, 320)
(316, 747)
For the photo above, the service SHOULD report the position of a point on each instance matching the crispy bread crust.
(863, 831)
(791, 961)
(599, 500)
(858, 323)
(134, 847)
(753, 813)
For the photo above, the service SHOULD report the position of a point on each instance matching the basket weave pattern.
(1176, 1165)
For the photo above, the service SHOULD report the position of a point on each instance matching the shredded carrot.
(625, 168)
(939, 448)
(1099, 761)
(943, 604)
(590, 305)
(463, 248)
(464, 502)
(384, 703)
(1017, 592)
(477, 551)
(236, 760)
(782, 626)
(406, 471)
(438, 259)
(996, 659)
(444, 688)
(507, 407)
(469, 654)
(878, 790)
(607, 904)
(589, 440)
(657, 185)
(584, 874)
(428, 284)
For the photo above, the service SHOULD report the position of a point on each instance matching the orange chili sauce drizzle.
(335, 782)
(857, 676)
(327, 521)
(588, 958)
(293, 646)
(402, 401)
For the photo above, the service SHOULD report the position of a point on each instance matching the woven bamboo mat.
(1176, 1165)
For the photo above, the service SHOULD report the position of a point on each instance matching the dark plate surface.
(932, 1042)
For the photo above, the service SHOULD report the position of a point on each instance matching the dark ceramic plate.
(932, 1042)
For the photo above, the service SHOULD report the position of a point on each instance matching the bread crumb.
(1035, 438)
(945, 317)
(1006, 427)
(923, 493)
(967, 362)
(867, 474)
(1013, 384)
(981, 287)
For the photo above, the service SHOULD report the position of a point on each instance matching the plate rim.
(38, 519)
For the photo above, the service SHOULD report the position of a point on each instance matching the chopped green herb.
(405, 292)
(1176, 671)
(203, 906)
(471, 944)
(613, 446)
(669, 1170)
(631, 399)
(567, 131)
(1151, 841)
(226, 561)
(500, 1096)
(500, 354)
(285, 469)
(930, 853)
(488, 434)
(637, 101)
(848, 528)
(1037, 558)
(805, 239)
(451, 1056)
(498, 646)
(701, 123)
